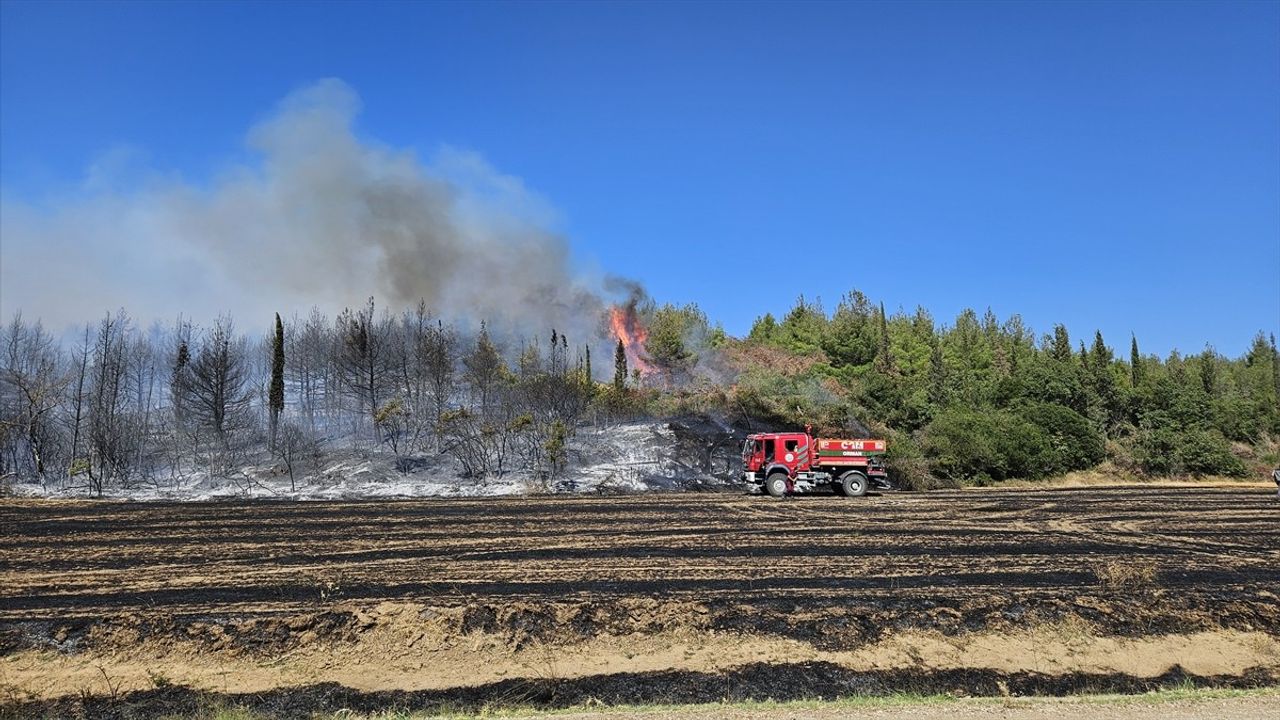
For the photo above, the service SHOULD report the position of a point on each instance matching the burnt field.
(63, 560)
(834, 575)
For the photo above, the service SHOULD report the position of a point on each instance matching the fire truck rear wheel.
(853, 484)
(776, 485)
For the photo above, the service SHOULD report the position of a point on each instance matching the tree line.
(987, 399)
(980, 399)
(128, 406)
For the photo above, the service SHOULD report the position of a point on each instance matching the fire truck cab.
(796, 462)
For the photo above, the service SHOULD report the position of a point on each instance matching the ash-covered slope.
(686, 453)
(692, 452)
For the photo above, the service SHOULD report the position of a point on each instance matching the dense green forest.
(983, 400)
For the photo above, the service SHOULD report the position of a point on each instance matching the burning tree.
(625, 322)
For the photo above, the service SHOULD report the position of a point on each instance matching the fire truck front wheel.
(776, 485)
(853, 484)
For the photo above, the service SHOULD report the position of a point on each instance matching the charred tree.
(219, 393)
(440, 358)
(275, 395)
(32, 381)
(309, 371)
(362, 359)
(107, 427)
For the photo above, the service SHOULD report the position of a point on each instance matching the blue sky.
(1111, 166)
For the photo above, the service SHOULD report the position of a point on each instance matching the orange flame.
(628, 328)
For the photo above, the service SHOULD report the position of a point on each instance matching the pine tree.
(937, 377)
(555, 445)
(178, 384)
(483, 369)
(1209, 371)
(555, 347)
(220, 395)
(620, 367)
(1061, 344)
(275, 396)
(763, 329)
(1101, 354)
(1275, 368)
(1000, 361)
(884, 358)
(589, 377)
(1135, 362)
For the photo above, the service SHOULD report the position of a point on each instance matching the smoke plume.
(319, 217)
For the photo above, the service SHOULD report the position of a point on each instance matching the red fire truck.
(785, 463)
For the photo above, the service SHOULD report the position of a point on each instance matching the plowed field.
(833, 575)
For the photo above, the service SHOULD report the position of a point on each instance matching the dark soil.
(801, 681)
(264, 577)
(834, 571)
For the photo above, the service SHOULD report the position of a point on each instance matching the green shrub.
(908, 467)
(963, 443)
(792, 400)
(1156, 451)
(1165, 451)
(1238, 419)
(1074, 443)
(1208, 453)
(1023, 449)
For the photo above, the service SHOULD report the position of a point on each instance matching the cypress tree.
(1103, 382)
(620, 367)
(589, 363)
(275, 396)
(1135, 362)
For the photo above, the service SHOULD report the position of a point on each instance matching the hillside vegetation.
(978, 400)
(986, 400)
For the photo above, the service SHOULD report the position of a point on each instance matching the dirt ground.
(128, 609)
(1218, 708)
(1236, 708)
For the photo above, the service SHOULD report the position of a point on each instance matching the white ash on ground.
(635, 457)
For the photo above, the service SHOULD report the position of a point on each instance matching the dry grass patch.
(1134, 574)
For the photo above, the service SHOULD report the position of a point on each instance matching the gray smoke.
(318, 217)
